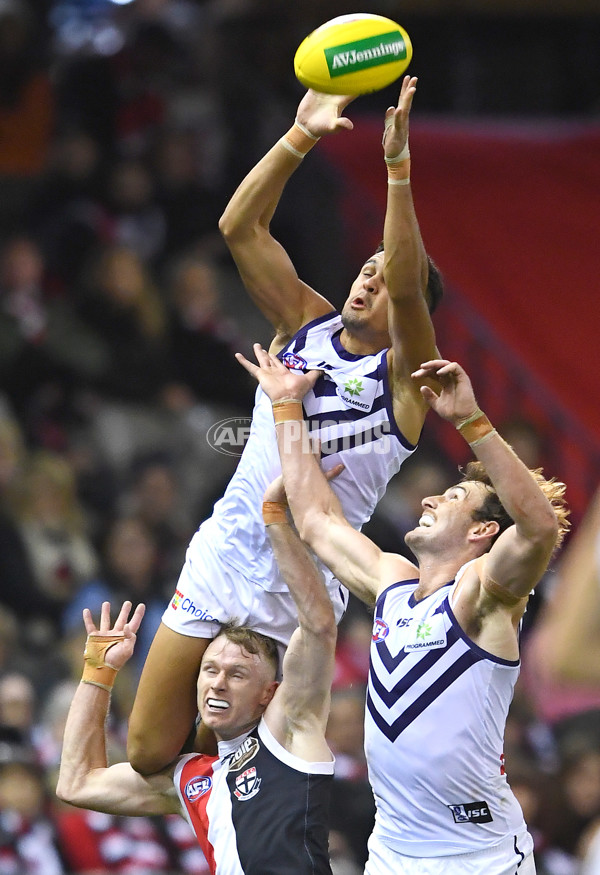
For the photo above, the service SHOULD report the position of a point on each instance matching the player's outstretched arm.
(298, 714)
(264, 266)
(520, 555)
(85, 780)
(406, 270)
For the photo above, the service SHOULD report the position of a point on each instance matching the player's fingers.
(88, 622)
(428, 394)
(312, 377)
(123, 616)
(250, 367)
(434, 364)
(105, 617)
(446, 370)
(262, 356)
(134, 624)
(276, 364)
(334, 472)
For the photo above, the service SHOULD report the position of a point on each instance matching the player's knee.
(144, 756)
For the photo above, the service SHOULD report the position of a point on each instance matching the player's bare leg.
(165, 705)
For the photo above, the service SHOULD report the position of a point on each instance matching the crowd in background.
(120, 312)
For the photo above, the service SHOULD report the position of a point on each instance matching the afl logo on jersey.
(197, 787)
(247, 785)
(294, 362)
(380, 630)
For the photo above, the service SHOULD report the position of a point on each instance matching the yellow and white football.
(353, 54)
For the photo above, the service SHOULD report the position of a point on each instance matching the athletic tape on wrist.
(401, 156)
(274, 512)
(290, 410)
(476, 428)
(501, 593)
(95, 669)
(306, 131)
(298, 140)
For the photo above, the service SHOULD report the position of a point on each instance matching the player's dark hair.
(435, 282)
(252, 642)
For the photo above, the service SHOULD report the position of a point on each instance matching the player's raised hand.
(456, 400)
(277, 381)
(395, 134)
(322, 113)
(112, 646)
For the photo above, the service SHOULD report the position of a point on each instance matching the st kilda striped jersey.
(350, 410)
(434, 729)
(260, 811)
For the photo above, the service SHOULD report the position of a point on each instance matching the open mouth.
(217, 704)
(426, 520)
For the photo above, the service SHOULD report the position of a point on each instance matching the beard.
(352, 321)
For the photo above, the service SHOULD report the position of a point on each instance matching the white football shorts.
(512, 856)
(211, 593)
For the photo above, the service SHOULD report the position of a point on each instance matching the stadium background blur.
(124, 128)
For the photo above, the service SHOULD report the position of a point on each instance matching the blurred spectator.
(102, 843)
(52, 527)
(26, 109)
(352, 805)
(145, 72)
(18, 704)
(26, 97)
(191, 209)
(352, 652)
(28, 837)
(580, 782)
(134, 218)
(12, 452)
(15, 571)
(204, 338)
(345, 732)
(45, 350)
(121, 305)
(157, 499)
(48, 732)
(65, 211)
(11, 656)
(589, 850)
(129, 571)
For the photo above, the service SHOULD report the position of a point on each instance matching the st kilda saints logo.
(247, 785)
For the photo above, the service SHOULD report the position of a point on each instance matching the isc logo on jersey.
(471, 812)
(197, 787)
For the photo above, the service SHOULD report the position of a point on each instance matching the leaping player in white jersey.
(445, 651)
(366, 410)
